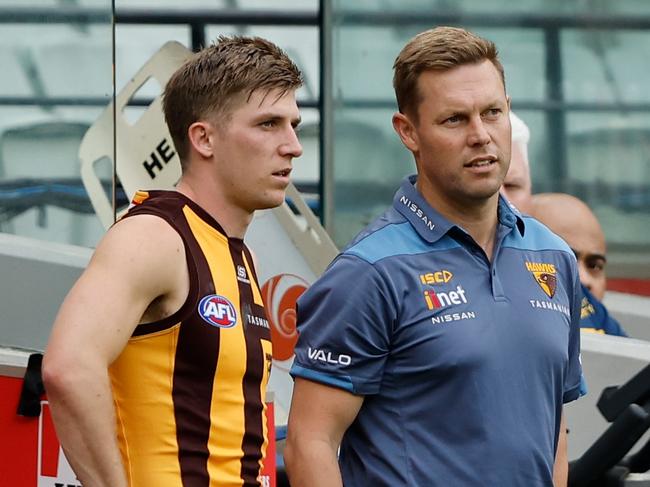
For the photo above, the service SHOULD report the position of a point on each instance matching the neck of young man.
(233, 218)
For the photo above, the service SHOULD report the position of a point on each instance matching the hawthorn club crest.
(547, 282)
(545, 276)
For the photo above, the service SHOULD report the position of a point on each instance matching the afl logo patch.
(218, 311)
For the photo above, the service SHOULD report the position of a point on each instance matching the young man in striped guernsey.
(439, 347)
(157, 365)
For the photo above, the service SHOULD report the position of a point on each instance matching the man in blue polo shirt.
(439, 347)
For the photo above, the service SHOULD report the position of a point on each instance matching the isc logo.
(218, 311)
(439, 277)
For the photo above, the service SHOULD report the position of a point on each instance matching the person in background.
(439, 347)
(517, 187)
(157, 365)
(574, 221)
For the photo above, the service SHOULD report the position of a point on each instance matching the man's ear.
(200, 135)
(406, 131)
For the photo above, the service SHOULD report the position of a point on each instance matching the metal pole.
(555, 117)
(326, 180)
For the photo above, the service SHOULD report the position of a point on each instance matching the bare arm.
(127, 272)
(319, 417)
(561, 466)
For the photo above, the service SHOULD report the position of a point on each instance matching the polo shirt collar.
(430, 224)
(426, 221)
(510, 216)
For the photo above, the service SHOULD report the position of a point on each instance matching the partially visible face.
(517, 187)
(588, 243)
(461, 141)
(572, 220)
(255, 149)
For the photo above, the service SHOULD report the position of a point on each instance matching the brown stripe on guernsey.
(265, 341)
(227, 413)
(193, 381)
(255, 369)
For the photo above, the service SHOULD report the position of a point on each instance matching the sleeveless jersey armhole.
(192, 295)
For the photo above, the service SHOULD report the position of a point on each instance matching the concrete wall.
(633, 312)
(35, 276)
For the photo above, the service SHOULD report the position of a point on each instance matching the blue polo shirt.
(464, 364)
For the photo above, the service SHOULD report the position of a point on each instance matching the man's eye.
(595, 265)
(268, 124)
(492, 113)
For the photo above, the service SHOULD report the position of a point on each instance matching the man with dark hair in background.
(440, 345)
(158, 362)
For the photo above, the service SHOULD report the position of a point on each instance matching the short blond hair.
(439, 49)
(213, 80)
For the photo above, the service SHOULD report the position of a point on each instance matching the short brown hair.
(440, 49)
(216, 78)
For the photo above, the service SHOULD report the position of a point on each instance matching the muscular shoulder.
(139, 261)
(143, 250)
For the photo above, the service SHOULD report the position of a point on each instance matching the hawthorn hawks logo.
(545, 276)
(280, 294)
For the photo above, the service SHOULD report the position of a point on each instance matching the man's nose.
(292, 146)
(586, 279)
(478, 134)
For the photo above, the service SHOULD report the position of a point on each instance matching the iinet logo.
(436, 300)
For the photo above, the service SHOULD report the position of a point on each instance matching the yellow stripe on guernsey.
(227, 430)
(257, 295)
(268, 352)
(139, 197)
(154, 394)
(593, 330)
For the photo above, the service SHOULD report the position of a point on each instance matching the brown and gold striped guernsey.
(189, 390)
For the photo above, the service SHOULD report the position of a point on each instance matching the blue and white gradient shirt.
(464, 364)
